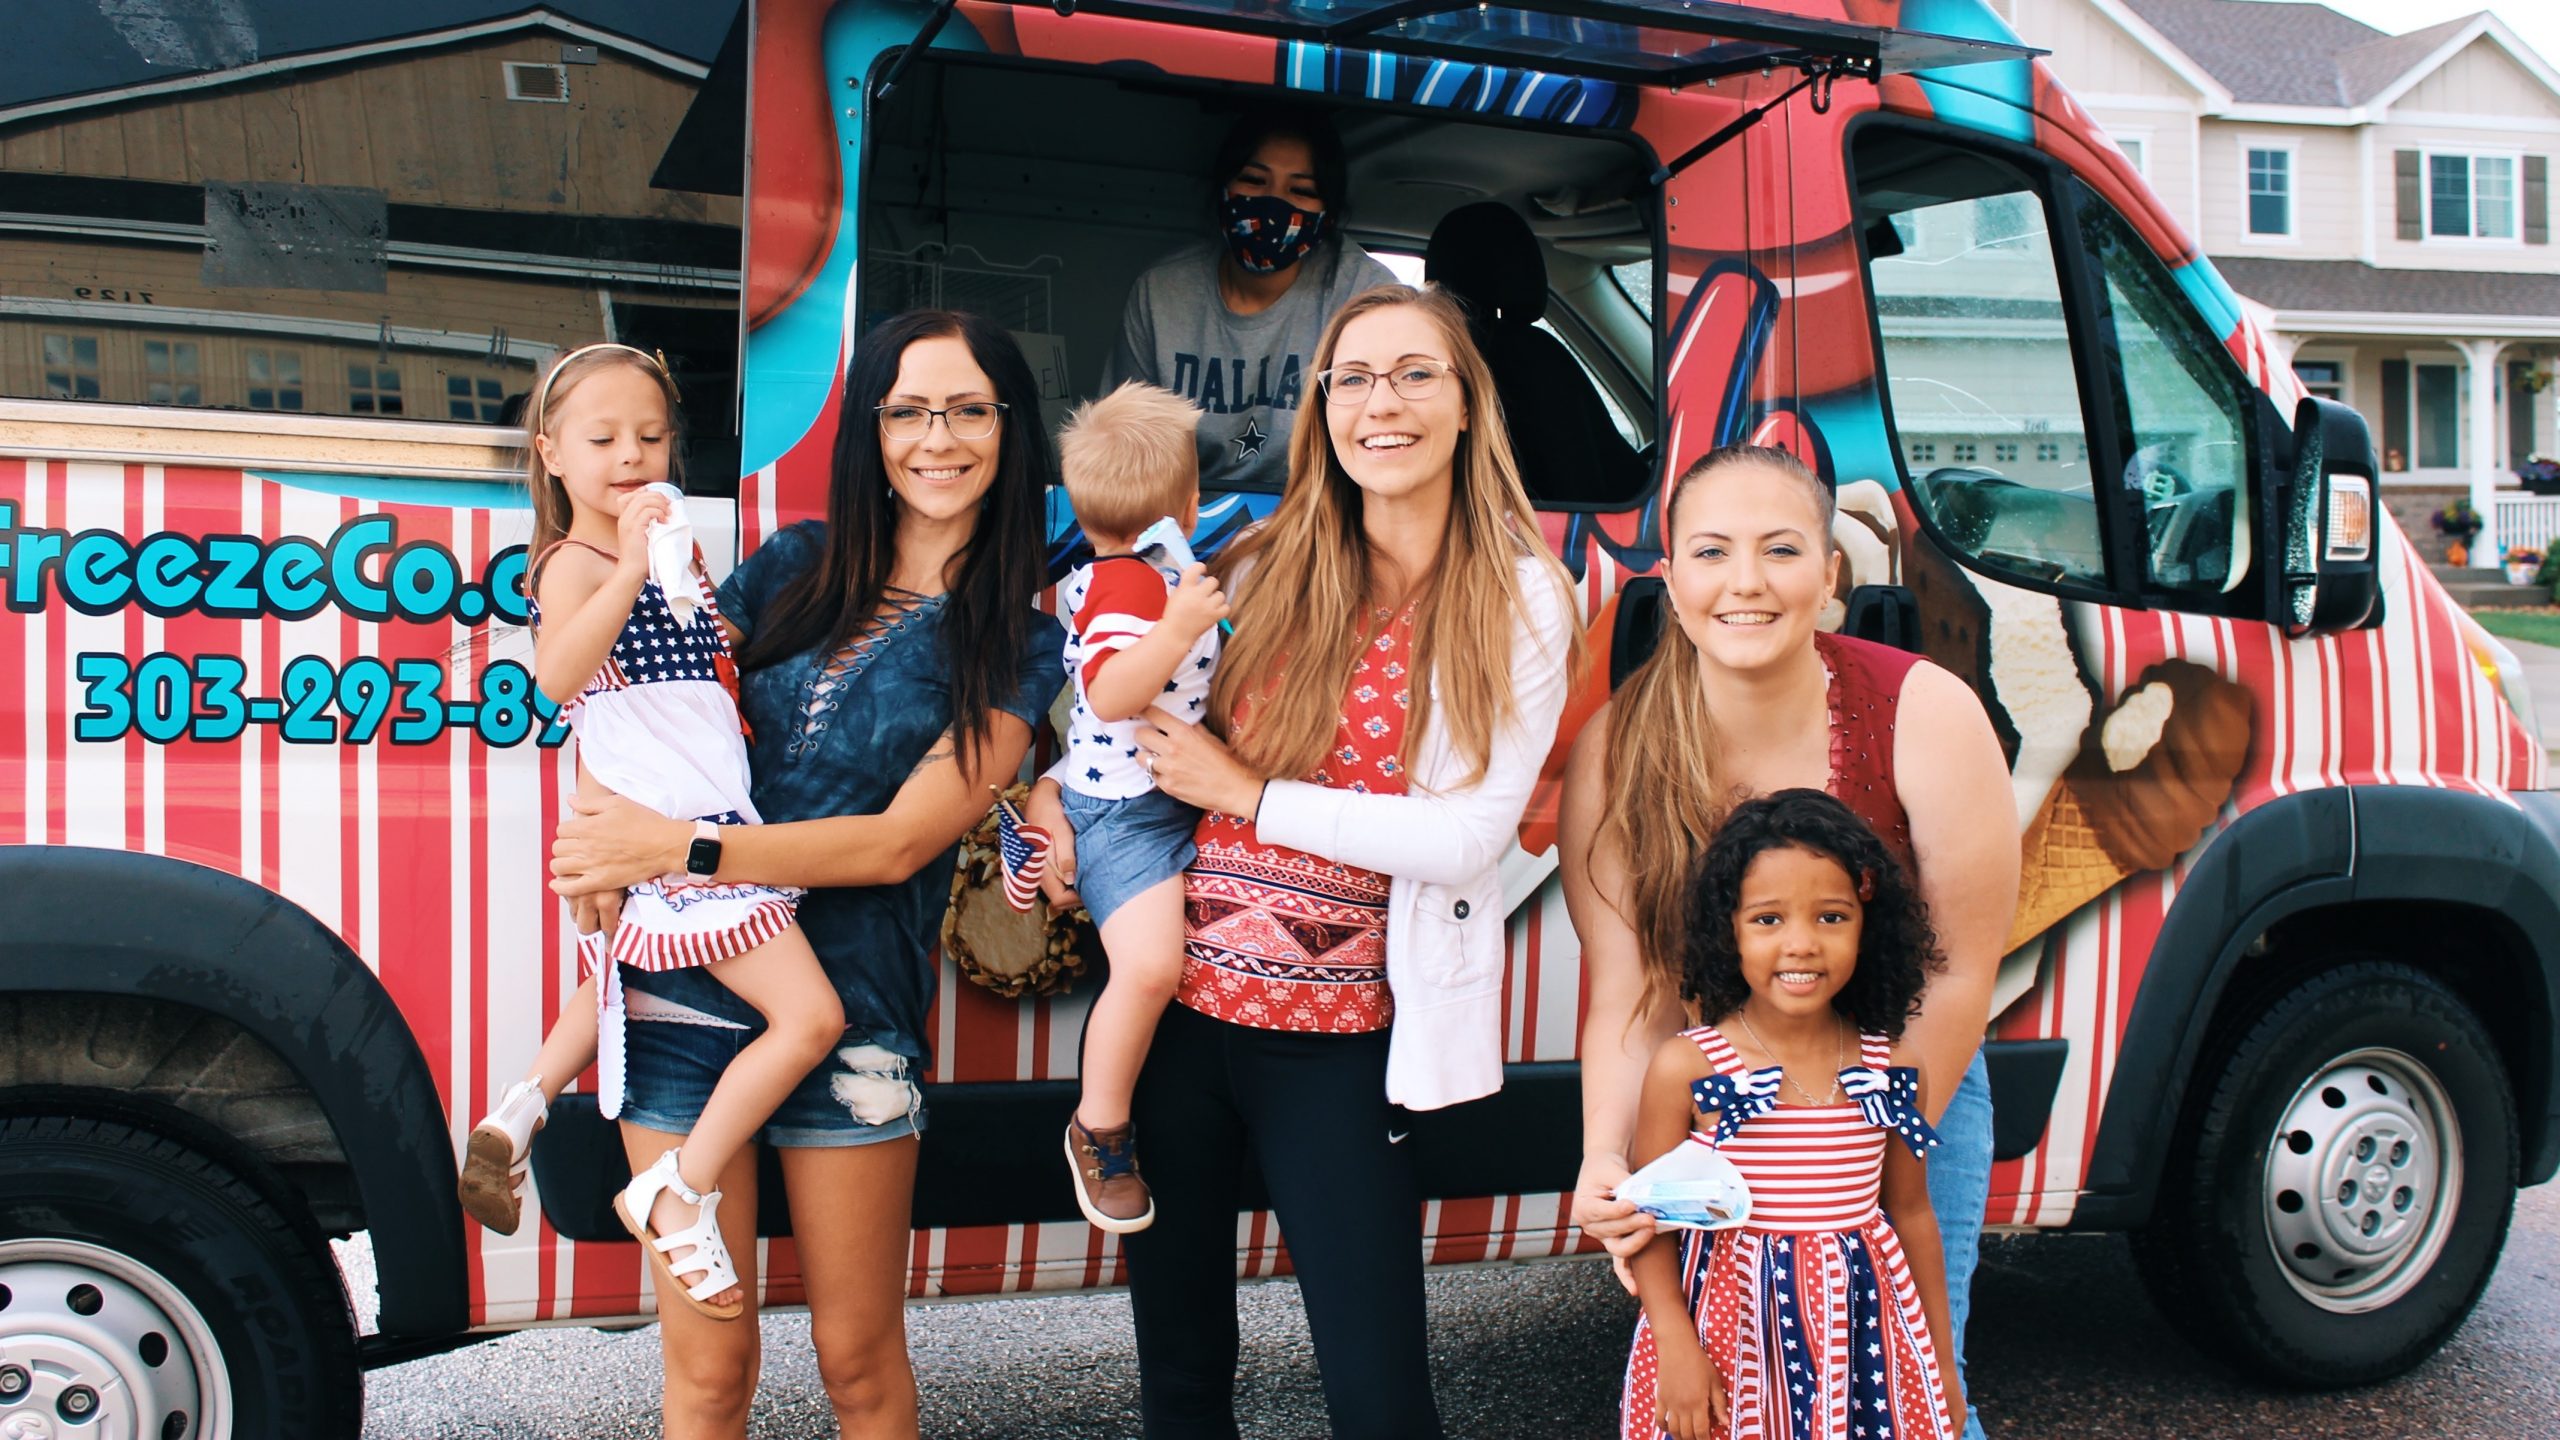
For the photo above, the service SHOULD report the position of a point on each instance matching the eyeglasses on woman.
(1411, 380)
(975, 420)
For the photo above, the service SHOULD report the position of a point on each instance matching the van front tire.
(2337, 1200)
(131, 1258)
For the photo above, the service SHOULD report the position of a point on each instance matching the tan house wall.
(2452, 253)
(425, 128)
(2483, 80)
(2093, 55)
(2326, 220)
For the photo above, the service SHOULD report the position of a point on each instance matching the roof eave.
(2216, 95)
(2487, 25)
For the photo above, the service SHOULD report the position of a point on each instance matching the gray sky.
(2536, 22)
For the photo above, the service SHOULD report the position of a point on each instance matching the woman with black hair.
(1229, 323)
(893, 667)
(1820, 1313)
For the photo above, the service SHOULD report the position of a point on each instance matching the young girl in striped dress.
(638, 653)
(1819, 1318)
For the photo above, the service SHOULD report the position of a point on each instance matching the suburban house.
(2385, 198)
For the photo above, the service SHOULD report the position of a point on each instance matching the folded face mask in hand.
(1691, 1187)
(671, 556)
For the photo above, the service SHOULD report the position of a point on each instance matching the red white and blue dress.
(659, 725)
(1809, 1311)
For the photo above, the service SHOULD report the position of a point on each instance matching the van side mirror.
(2332, 577)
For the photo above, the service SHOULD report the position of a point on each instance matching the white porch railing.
(2523, 520)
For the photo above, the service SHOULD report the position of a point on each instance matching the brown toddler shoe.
(1108, 1189)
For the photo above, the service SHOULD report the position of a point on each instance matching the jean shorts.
(860, 1095)
(1126, 847)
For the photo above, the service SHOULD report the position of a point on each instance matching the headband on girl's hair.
(542, 392)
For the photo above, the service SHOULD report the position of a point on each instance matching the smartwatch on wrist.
(704, 856)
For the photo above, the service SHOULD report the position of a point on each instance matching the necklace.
(1827, 1096)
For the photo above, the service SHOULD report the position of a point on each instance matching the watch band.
(703, 856)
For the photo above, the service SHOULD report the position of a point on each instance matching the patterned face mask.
(1267, 234)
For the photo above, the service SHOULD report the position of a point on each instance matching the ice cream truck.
(277, 792)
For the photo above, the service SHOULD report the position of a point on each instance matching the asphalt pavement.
(2065, 1344)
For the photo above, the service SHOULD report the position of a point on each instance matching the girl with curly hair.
(1818, 1318)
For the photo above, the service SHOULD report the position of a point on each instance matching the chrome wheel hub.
(2362, 1174)
(95, 1345)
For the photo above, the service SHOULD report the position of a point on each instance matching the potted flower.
(2541, 475)
(2523, 564)
(2459, 524)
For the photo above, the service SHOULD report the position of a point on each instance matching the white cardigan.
(1441, 847)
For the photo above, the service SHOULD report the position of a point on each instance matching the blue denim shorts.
(1126, 847)
(671, 1066)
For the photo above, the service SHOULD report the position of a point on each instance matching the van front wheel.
(2334, 1207)
(148, 1290)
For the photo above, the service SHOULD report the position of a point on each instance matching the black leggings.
(1312, 1111)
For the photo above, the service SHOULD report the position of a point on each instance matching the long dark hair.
(1897, 951)
(987, 619)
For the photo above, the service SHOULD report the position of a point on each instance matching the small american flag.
(1022, 852)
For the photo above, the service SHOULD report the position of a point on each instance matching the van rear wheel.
(2338, 1200)
(147, 1290)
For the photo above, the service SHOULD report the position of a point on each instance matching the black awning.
(1628, 42)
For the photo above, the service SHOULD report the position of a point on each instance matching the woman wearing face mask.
(1230, 322)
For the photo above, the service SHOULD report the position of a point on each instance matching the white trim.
(2139, 135)
(2368, 203)
(2454, 120)
(2485, 25)
(530, 20)
(450, 257)
(2381, 323)
(2292, 151)
(2260, 112)
(2109, 100)
(187, 317)
(2163, 50)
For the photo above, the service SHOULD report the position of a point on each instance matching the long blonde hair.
(1659, 772)
(1305, 607)
(551, 513)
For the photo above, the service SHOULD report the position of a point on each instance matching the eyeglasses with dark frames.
(1411, 380)
(975, 420)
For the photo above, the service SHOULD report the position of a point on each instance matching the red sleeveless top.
(1866, 697)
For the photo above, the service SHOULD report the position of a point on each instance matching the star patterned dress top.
(658, 725)
(1809, 1311)
(1114, 602)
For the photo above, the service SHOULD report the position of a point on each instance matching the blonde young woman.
(1746, 698)
(1403, 643)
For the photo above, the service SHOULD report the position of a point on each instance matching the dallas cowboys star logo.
(1249, 444)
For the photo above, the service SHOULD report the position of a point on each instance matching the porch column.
(2480, 443)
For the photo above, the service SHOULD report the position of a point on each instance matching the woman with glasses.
(1229, 321)
(1403, 642)
(892, 668)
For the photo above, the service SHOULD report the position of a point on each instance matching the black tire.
(2210, 1256)
(258, 1279)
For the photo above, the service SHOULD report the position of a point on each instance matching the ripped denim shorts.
(860, 1095)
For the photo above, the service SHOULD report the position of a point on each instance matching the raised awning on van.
(1632, 42)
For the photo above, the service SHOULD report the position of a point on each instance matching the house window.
(465, 399)
(2324, 378)
(274, 376)
(71, 367)
(2005, 453)
(2048, 452)
(2471, 197)
(2270, 192)
(373, 390)
(2137, 149)
(1964, 452)
(2439, 406)
(1924, 452)
(172, 372)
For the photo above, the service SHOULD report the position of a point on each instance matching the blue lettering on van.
(167, 698)
(362, 569)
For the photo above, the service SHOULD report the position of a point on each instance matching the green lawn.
(2538, 627)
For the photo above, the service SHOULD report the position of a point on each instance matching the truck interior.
(975, 196)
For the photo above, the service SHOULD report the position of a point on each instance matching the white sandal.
(494, 1165)
(710, 1255)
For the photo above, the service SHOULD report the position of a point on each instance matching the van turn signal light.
(2350, 517)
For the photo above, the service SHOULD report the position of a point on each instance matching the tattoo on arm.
(942, 751)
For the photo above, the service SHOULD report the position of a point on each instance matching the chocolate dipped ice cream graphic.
(2149, 778)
